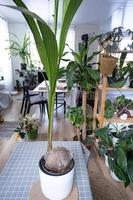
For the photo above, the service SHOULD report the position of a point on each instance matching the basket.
(107, 64)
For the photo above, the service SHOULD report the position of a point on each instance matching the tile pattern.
(21, 170)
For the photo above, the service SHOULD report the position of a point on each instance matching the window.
(35, 57)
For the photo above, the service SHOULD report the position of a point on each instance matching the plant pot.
(106, 161)
(115, 177)
(56, 186)
(107, 64)
(114, 140)
(32, 134)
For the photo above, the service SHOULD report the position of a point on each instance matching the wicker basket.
(107, 64)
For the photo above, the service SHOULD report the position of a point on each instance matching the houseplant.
(120, 106)
(28, 126)
(120, 154)
(20, 50)
(80, 72)
(75, 116)
(120, 73)
(109, 42)
(50, 55)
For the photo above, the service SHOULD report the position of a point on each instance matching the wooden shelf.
(115, 89)
(101, 116)
(115, 120)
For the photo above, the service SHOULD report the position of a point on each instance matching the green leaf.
(69, 10)
(122, 159)
(130, 170)
(93, 55)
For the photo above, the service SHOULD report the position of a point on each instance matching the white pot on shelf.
(56, 187)
(106, 160)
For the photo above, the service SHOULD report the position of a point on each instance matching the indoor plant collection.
(28, 126)
(119, 153)
(80, 72)
(121, 107)
(110, 44)
(50, 55)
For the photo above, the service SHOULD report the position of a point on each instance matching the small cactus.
(58, 159)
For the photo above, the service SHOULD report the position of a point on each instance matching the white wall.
(85, 29)
(19, 29)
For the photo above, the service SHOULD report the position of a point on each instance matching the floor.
(62, 128)
(103, 186)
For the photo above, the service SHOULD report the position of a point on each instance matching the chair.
(25, 97)
(35, 100)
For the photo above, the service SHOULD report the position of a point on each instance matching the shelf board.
(115, 120)
(122, 88)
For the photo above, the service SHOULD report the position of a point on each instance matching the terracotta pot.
(107, 64)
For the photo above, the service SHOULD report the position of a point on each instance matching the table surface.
(21, 170)
(60, 87)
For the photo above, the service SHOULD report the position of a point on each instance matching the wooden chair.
(35, 100)
(25, 97)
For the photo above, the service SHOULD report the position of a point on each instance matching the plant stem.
(50, 124)
(84, 99)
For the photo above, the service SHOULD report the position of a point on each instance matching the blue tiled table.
(21, 170)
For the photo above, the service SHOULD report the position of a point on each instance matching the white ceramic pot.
(56, 187)
(115, 177)
(114, 140)
(106, 161)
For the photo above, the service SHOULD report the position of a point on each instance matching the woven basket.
(107, 64)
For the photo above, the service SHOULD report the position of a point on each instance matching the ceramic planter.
(32, 134)
(106, 160)
(56, 186)
(107, 64)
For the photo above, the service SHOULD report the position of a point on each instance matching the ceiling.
(90, 12)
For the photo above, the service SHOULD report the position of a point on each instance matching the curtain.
(5, 61)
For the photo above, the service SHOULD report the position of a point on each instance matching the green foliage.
(75, 115)
(109, 109)
(119, 155)
(50, 53)
(81, 72)
(119, 104)
(21, 50)
(120, 73)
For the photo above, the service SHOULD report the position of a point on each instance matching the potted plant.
(120, 73)
(18, 86)
(57, 181)
(28, 126)
(21, 50)
(75, 116)
(120, 154)
(121, 107)
(130, 70)
(109, 42)
(80, 72)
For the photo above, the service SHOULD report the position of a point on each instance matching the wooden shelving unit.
(101, 116)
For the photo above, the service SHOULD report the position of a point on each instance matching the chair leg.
(25, 109)
(28, 109)
(47, 106)
(22, 106)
